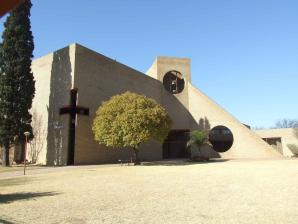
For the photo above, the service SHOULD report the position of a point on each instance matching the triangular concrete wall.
(246, 143)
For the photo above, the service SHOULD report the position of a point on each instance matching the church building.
(71, 84)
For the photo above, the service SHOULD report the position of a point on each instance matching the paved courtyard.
(242, 191)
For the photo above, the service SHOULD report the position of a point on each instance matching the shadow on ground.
(182, 162)
(3, 221)
(8, 198)
(16, 181)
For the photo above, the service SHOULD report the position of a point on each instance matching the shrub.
(197, 140)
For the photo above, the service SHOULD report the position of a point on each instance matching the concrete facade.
(287, 136)
(98, 78)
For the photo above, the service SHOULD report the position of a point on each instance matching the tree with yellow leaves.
(129, 119)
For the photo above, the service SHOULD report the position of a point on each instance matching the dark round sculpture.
(173, 82)
(221, 138)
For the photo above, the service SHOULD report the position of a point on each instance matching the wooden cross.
(73, 109)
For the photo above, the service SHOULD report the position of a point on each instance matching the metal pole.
(25, 156)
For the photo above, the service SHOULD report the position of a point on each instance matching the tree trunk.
(5, 156)
(137, 159)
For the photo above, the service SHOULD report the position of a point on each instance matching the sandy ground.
(217, 192)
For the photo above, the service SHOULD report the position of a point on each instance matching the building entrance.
(175, 145)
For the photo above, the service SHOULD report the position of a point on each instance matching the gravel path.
(219, 192)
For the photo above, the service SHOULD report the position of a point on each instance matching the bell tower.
(174, 73)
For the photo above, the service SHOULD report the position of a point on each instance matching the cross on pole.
(73, 109)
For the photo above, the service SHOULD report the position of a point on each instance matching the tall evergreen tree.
(17, 85)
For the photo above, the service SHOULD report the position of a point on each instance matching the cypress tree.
(17, 85)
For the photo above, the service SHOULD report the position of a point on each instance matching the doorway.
(175, 145)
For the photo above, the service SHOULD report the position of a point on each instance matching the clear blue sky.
(244, 53)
